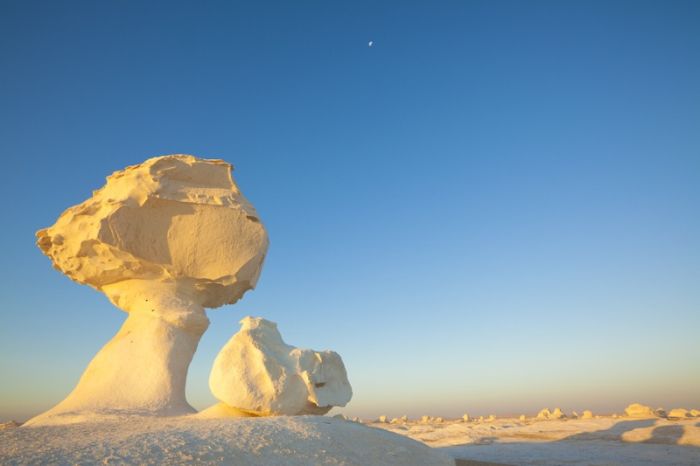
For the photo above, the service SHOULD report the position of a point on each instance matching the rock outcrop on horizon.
(679, 413)
(257, 372)
(163, 240)
(640, 411)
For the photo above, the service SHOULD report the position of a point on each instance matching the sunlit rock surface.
(163, 240)
(680, 413)
(640, 411)
(259, 373)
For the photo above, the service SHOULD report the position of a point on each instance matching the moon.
(370, 43)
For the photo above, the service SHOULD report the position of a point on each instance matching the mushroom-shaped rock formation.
(256, 372)
(163, 240)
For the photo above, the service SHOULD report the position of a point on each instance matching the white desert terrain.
(172, 237)
(599, 440)
(320, 440)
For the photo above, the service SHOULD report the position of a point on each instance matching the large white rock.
(163, 240)
(257, 372)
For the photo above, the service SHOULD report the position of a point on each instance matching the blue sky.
(493, 209)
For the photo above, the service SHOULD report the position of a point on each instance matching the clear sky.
(494, 209)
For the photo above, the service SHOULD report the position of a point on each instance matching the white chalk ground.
(299, 440)
(316, 440)
(598, 441)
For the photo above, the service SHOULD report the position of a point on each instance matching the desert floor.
(315, 440)
(597, 441)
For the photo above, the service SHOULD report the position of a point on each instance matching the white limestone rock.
(557, 414)
(637, 410)
(257, 372)
(400, 420)
(679, 413)
(587, 414)
(163, 240)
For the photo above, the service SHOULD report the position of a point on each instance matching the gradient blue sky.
(492, 210)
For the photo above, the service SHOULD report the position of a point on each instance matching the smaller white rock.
(259, 373)
(679, 413)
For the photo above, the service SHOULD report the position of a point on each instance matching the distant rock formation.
(547, 414)
(679, 413)
(257, 372)
(163, 240)
(557, 414)
(637, 410)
